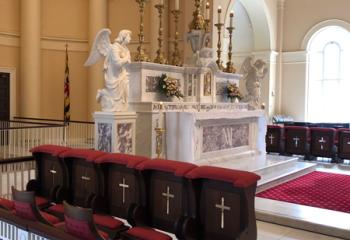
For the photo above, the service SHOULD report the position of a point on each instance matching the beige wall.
(299, 17)
(9, 16)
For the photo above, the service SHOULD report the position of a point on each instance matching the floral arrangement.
(169, 86)
(232, 91)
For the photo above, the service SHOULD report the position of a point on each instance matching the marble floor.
(269, 231)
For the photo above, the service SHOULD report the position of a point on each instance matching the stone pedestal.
(115, 132)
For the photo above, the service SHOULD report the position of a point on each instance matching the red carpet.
(316, 189)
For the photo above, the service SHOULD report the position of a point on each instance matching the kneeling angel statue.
(114, 96)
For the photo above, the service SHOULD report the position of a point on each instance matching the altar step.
(282, 171)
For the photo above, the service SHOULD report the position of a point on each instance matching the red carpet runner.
(316, 189)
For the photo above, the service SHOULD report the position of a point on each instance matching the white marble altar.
(199, 137)
(192, 122)
(115, 132)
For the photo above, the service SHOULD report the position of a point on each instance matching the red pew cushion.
(89, 155)
(130, 161)
(50, 218)
(58, 208)
(145, 233)
(51, 149)
(7, 203)
(241, 179)
(40, 201)
(80, 229)
(177, 168)
(107, 221)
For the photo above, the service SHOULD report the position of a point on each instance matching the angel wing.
(246, 65)
(100, 48)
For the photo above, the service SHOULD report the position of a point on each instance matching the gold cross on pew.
(222, 207)
(123, 186)
(168, 196)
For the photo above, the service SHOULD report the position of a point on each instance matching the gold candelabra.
(198, 19)
(207, 30)
(230, 68)
(176, 60)
(160, 56)
(141, 55)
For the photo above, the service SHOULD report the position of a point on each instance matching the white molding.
(319, 26)
(13, 87)
(55, 43)
(294, 57)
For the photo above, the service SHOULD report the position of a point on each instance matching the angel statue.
(253, 74)
(114, 96)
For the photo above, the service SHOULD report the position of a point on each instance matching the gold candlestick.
(160, 56)
(198, 19)
(230, 68)
(219, 25)
(218, 51)
(176, 60)
(141, 56)
(207, 30)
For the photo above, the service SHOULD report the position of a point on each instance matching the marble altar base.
(115, 132)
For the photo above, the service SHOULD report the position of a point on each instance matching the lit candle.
(177, 5)
(231, 18)
(219, 14)
(207, 12)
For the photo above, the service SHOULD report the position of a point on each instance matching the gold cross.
(322, 141)
(271, 137)
(222, 207)
(296, 140)
(168, 196)
(124, 186)
(53, 172)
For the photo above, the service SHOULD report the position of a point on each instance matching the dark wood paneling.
(4, 96)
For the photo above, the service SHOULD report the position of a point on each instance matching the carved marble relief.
(125, 141)
(207, 84)
(104, 141)
(220, 88)
(225, 137)
(152, 83)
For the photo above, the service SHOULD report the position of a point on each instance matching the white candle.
(231, 18)
(177, 5)
(219, 14)
(207, 12)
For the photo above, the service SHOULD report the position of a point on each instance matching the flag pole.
(66, 91)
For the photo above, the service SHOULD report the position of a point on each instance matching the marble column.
(98, 17)
(279, 70)
(30, 58)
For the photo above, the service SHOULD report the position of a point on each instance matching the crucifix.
(322, 141)
(123, 186)
(53, 172)
(271, 137)
(296, 141)
(168, 196)
(222, 207)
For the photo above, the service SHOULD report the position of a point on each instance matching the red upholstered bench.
(25, 207)
(226, 202)
(51, 181)
(80, 223)
(323, 142)
(167, 207)
(274, 139)
(297, 140)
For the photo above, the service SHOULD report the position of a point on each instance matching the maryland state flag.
(66, 91)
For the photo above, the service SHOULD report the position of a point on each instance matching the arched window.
(329, 75)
